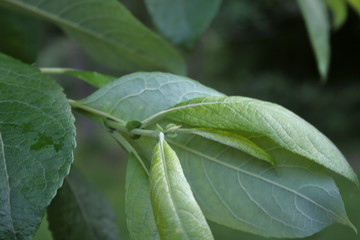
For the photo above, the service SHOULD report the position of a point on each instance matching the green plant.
(194, 153)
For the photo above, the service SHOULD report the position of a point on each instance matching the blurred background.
(257, 49)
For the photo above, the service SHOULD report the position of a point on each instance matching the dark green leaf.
(258, 118)
(317, 23)
(139, 213)
(37, 137)
(80, 211)
(182, 21)
(19, 36)
(108, 32)
(177, 214)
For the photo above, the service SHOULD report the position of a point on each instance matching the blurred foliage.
(253, 48)
(19, 36)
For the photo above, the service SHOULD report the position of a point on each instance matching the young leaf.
(37, 137)
(139, 212)
(80, 211)
(176, 212)
(257, 117)
(234, 140)
(140, 95)
(182, 21)
(317, 23)
(108, 32)
(339, 12)
(93, 78)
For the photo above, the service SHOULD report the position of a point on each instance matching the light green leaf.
(297, 200)
(259, 118)
(139, 213)
(355, 4)
(80, 211)
(233, 140)
(176, 212)
(37, 137)
(93, 78)
(140, 95)
(108, 32)
(182, 21)
(223, 179)
(339, 12)
(317, 23)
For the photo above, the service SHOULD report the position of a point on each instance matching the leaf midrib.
(8, 184)
(256, 176)
(63, 22)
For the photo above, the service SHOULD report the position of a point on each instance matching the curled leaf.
(176, 212)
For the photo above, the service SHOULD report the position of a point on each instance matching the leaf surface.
(233, 189)
(130, 97)
(234, 140)
(218, 174)
(339, 12)
(19, 36)
(37, 137)
(318, 26)
(355, 4)
(177, 214)
(182, 21)
(139, 212)
(93, 78)
(80, 211)
(260, 118)
(107, 31)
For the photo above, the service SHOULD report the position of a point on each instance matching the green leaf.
(93, 78)
(37, 137)
(176, 212)
(258, 118)
(139, 95)
(233, 140)
(108, 32)
(339, 11)
(231, 187)
(80, 211)
(19, 36)
(317, 23)
(355, 4)
(139, 212)
(297, 200)
(182, 21)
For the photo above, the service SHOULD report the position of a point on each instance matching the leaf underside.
(177, 214)
(255, 118)
(139, 212)
(37, 137)
(230, 186)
